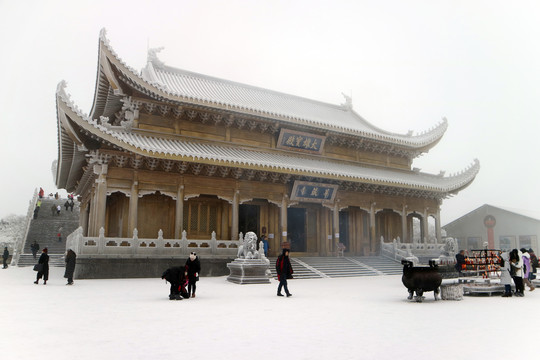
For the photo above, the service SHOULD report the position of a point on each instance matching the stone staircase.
(333, 267)
(44, 230)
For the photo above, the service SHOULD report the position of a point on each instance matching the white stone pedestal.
(248, 271)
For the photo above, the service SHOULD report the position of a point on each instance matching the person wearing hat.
(193, 268)
(44, 261)
(284, 271)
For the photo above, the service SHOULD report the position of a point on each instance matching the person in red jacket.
(284, 271)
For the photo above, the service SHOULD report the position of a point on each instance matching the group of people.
(183, 279)
(518, 266)
(69, 204)
(55, 209)
(42, 266)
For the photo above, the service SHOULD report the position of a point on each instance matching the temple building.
(186, 158)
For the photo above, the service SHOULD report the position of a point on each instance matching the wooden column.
(93, 218)
(438, 225)
(133, 208)
(372, 230)
(426, 226)
(235, 215)
(335, 220)
(101, 196)
(404, 224)
(283, 220)
(83, 220)
(179, 219)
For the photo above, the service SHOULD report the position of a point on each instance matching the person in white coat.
(516, 258)
(506, 278)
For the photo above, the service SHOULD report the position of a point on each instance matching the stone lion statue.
(248, 250)
(450, 246)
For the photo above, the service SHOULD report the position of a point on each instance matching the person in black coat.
(6, 256)
(193, 266)
(44, 260)
(71, 260)
(284, 271)
(176, 276)
(461, 260)
(34, 248)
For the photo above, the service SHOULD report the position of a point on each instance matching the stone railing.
(21, 241)
(398, 251)
(157, 247)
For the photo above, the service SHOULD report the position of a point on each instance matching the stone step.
(54, 260)
(44, 230)
(317, 267)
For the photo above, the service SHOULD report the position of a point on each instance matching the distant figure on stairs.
(71, 204)
(58, 209)
(66, 205)
(36, 212)
(41, 193)
(6, 256)
(44, 260)
(34, 248)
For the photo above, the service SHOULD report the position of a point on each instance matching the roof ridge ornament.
(153, 58)
(348, 102)
(103, 36)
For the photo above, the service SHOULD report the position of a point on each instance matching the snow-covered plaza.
(343, 318)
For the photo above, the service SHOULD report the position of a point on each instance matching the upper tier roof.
(190, 87)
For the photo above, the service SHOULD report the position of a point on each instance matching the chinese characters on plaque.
(300, 141)
(313, 192)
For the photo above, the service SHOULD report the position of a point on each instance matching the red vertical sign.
(489, 223)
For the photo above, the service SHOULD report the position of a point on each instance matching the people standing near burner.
(506, 278)
(516, 259)
(193, 268)
(44, 260)
(284, 271)
(461, 261)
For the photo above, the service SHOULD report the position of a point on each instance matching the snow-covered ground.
(353, 318)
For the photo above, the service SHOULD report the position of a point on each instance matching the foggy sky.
(407, 64)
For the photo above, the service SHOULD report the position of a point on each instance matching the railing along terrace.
(397, 250)
(148, 247)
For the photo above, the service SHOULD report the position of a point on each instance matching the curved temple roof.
(221, 154)
(185, 86)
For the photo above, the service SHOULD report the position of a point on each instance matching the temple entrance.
(344, 229)
(296, 229)
(248, 218)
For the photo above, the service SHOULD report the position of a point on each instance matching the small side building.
(500, 228)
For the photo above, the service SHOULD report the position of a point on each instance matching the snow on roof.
(273, 161)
